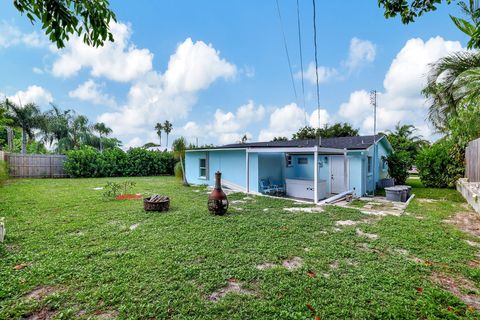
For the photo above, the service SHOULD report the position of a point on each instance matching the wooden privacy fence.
(472, 161)
(35, 165)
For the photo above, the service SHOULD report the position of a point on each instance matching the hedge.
(88, 162)
(441, 164)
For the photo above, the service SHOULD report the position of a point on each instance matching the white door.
(337, 171)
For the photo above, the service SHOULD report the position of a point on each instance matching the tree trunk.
(24, 141)
(167, 140)
(101, 145)
(160, 136)
(185, 182)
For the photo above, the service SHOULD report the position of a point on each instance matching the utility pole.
(373, 102)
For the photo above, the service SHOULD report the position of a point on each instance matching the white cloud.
(324, 118)
(33, 94)
(92, 91)
(134, 142)
(226, 127)
(285, 121)
(360, 53)
(194, 66)
(11, 36)
(118, 61)
(156, 97)
(324, 74)
(401, 99)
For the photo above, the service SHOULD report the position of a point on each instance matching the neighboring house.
(344, 164)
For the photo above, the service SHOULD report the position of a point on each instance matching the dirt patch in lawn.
(43, 314)
(266, 265)
(346, 223)
(369, 236)
(460, 287)
(290, 264)
(474, 263)
(134, 226)
(293, 263)
(307, 209)
(109, 314)
(41, 292)
(233, 286)
(468, 222)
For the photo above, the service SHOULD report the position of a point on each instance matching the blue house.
(308, 169)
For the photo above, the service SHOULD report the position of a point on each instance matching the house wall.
(381, 168)
(355, 174)
(253, 172)
(232, 164)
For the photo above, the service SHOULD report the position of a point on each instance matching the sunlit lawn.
(90, 257)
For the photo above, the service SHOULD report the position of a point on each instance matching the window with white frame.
(203, 168)
(369, 164)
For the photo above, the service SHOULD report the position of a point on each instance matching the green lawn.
(83, 256)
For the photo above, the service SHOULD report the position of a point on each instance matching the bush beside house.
(88, 162)
(441, 164)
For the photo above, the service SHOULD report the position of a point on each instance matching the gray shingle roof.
(351, 143)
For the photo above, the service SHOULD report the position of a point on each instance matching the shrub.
(82, 162)
(88, 162)
(441, 165)
(398, 165)
(111, 163)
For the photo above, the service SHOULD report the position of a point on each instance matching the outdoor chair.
(279, 187)
(266, 187)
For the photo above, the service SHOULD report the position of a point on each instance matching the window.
(203, 168)
(288, 160)
(302, 160)
(384, 165)
(369, 165)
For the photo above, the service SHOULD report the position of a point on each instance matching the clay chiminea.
(217, 200)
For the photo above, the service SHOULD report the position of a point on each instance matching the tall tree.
(27, 118)
(61, 19)
(404, 139)
(167, 127)
(159, 128)
(103, 131)
(55, 125)
(451, 80)
(410, 10)
(327, 131)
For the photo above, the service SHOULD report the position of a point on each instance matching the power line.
(316, 61)
(301, 58)
(286, 51)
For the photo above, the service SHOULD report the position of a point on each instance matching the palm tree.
(102, 130)
(167, 127)
(55, 125)
(27, 118)
(159, 129)
(179, 146)
(450, 80)
(403, 138)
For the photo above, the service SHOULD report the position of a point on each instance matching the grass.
(82, 247)
(3, 171)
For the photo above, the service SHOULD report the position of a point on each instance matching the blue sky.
(218, 69)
